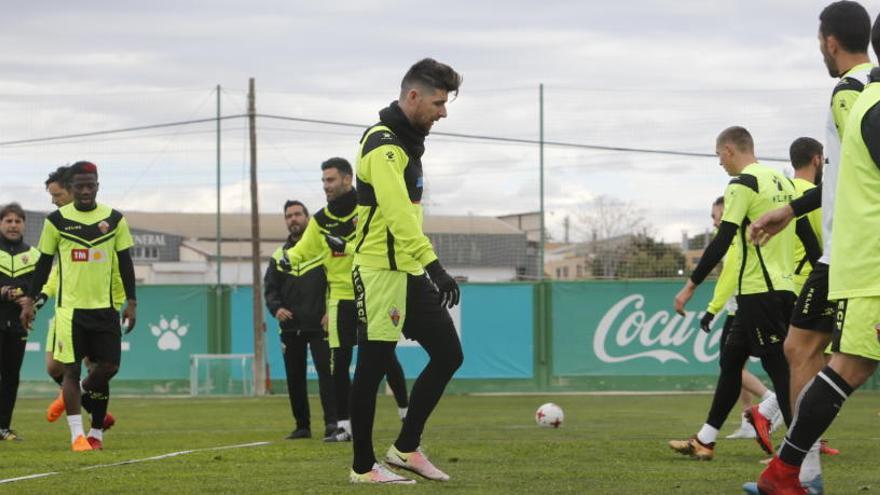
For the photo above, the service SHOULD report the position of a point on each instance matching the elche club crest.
(104, 227)
(394, 314)
(25, 259)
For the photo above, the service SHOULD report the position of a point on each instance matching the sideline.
(136, 461)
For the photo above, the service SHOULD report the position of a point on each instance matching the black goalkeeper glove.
(705, 321)
(449, 291)
(337, 244)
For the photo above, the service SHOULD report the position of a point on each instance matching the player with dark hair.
(852, 283)
(393, 260)
(56, 186)
(328, 236)
(295, 296)
(765, 292)
(85, 235)
(844, 34)
(18, 261)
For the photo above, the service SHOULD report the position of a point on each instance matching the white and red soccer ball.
(549, 415)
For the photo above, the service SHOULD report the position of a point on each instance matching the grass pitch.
(613, 445)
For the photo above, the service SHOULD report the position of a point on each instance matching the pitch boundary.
(136, 461)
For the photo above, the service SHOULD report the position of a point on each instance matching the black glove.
(337, 244)
(705, 321)
(449, 291)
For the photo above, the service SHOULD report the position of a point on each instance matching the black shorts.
(423, 310)
(346, 323)
(813, 311)
(97, 334)
(761, 322)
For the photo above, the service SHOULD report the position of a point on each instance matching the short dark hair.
(81, 167)
(719, 201)
(293, 202)
(433, 74)
(875, 36)
(340, 164)
(849, 23)
(59, 176)
(12, 208)
(739, 137)
(802, 151)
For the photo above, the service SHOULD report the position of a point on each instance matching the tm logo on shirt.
(94, 255)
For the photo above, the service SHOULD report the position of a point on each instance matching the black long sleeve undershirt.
(808, 239)
(41, 275)
(714, 252)
(809, 201)
(126, 271)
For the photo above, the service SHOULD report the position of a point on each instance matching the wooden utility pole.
(259, 330)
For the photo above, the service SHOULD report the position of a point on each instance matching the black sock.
(341, 361)
(98, 400)
(87, 403)
(822, 400)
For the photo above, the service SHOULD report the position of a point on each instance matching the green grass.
(487, 444)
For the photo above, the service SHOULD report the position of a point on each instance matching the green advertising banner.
(630, 328)
(172, 323)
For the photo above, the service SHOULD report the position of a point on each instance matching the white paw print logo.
(169, 333)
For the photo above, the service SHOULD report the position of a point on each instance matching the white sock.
(769, 407)
(707, 434)
(812, 466)
(345, 424)
(401, 411)
(767, 394)
(96, 433)
(75, 422)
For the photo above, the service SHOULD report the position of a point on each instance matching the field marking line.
(136, 461)
(29, 477)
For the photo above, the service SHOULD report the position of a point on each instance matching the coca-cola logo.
(627, 332)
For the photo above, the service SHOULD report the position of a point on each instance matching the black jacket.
(17, 263)
(300, 288)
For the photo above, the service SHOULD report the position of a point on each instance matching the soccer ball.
(549, 415)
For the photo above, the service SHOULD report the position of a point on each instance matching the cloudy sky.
(643, 74)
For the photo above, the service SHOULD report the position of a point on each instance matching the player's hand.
(337, 244)
(770, 224)
(10, 293)
(27, 312)
(706, 321)
(283, 314)
(683, 296)
(449, 291)
(129, 315)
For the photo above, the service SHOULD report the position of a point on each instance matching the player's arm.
(48, 246)
(387, 164)
(123, 244)
(808, 238)
(773, 222)
(310, 246)
(272, 284)
(724, 287)
(737, 197)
